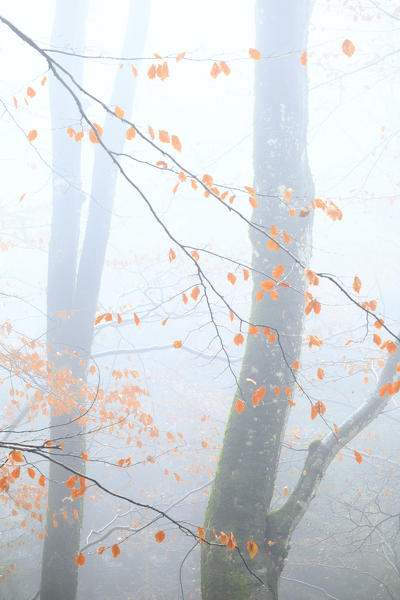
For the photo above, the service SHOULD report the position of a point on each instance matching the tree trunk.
(74, 291)
(248, 462)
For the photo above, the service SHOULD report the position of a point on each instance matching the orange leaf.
(17, 456)
(115, 549)
(136, 319)
(253, 202)
(296, 365)
(80, 559)
(224, 67)
(70, 483)
(130, 133)
(177, 344)
(195, 255)
(195, 293)
(119, 319)
(176, 143)
(163, 136)
(252, 548)
(119, 112)
(134, 70)
(321, 373)
(223, 537)
(312, 277)
(151, 73)
(159, 536)
(84, 456)
(348, 48)
(357, 284)
(180, 56)
(101, 550)
(336, 428)
(42, 481)
(151, 132)
(286, 237)
(30, 92)
(231, 278)
(43, 80)
(239, 405)
(377, 339)
(215, 70)
(287, 195)
(15, 102)
(260, 295)
(358, 457)
(274, 294)
(231, 544)
(31, 473)
(268, 285)
(258, 395)
(171, 255)
(16, 472)
(32, 135)
(278, 271)
(246, 274)
(254, 54)
(238, 339)
(271, 245)
(303, 59)
(92, 133)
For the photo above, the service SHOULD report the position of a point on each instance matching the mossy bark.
(244, 482)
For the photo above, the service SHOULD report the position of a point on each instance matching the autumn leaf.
(278, 271)
(303, 59)
(163, 136)
(223, 537)
(119, 112)
(231, 278)
(30, 92)
(159, 536)
(17, 456)
(115, 549)
(258, 395)
(348, 48)
(151, 73)
(238, 339)
(195, 293)
(80, 559)
(296, 365)
(171, 255)
(32, 135)
(84, 456)
(239, 406)
(42, 481)
(312, 277)
(177, 344)
(136, 319)
(377, 339)
(70, 482)
(231, 543)
(358, 457)
(101, 550)
(254, 54)
(31, 473)
(92, 133)
(130, 133)
(357, 284)
(336, 428)
(180, 56)
(320, 373)
(215, 70)
(175, 141)
(225, 68)
(287, 195)
(252, 548)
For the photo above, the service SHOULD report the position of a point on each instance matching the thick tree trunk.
(74, 291)
(245, 477)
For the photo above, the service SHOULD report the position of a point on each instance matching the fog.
(199, 309)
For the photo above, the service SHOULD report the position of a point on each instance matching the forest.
(199, 327)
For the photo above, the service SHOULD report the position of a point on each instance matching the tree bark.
(248, 462)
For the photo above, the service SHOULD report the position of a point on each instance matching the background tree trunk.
(248, 462)
(75, 291)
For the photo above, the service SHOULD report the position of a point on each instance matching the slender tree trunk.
(244, 482)
(74, 291)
